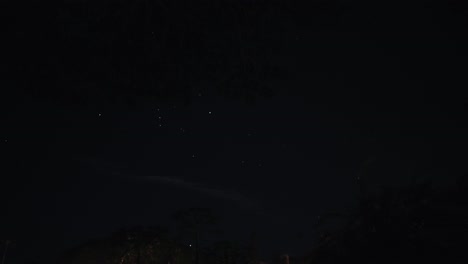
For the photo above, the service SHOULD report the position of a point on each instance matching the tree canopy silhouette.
(130, 245)
(413, 224)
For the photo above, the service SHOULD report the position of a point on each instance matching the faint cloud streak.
(220, 193)
(201, 188)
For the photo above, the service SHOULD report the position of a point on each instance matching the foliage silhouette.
(414, 224)
(194, 222)
(131, 245)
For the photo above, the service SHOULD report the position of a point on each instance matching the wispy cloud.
(123, 173)
(234, 196)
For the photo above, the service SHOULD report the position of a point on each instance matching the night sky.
(361, 98)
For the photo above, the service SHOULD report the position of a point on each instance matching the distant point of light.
(160, 125)
(193, 156)
(99, 114)
(159, 117)
(209, 112)
(190, 245)
(6, 140)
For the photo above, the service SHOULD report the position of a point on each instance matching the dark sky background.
(374, 93)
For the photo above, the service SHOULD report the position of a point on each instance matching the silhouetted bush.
(416, 224)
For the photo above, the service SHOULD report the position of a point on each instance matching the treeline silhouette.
(418, 223)
(186, 245)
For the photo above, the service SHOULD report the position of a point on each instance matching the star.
(99, 114)
(209, 112)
